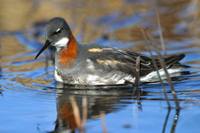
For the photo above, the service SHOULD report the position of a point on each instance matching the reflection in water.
(98, 101)
(72, 109)
(174, 122)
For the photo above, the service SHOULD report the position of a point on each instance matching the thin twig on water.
(160, 32)
(137, 77)
(164, 65)
(137, 69)
(147, 39)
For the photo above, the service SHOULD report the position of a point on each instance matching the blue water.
(25, 110)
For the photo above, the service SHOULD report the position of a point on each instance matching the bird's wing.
(122, 60)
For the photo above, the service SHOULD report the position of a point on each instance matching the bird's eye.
(58, 30)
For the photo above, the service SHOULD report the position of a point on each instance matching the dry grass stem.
(147, 39)
(160, 31)
(170, 84)
(164, 65)
(137, 78)
(167, 76)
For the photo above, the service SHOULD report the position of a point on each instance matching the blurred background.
(92, 21)
(28, 100)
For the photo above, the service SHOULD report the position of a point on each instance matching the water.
(31, 101)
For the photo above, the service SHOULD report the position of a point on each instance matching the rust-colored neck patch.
(68, 54)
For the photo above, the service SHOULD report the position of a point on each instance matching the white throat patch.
(62, 42)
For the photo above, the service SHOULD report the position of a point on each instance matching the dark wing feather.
(124, 60)
(170, 61)
(173, 59)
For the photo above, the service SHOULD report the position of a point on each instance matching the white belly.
(92, 79)
(153, 77)
(108, 79)
(113, 78)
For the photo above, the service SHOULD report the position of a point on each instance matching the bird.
(78, 64)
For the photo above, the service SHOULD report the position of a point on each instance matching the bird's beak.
(47, 43)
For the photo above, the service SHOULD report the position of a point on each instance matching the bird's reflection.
(75, 105)
(97, 100)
